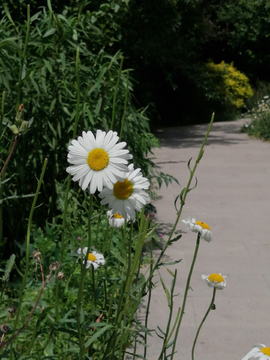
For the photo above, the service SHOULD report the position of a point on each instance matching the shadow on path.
(192, 136)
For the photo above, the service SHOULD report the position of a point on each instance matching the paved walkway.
(233, 198)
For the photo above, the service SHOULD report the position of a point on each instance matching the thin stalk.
(149, 300)
(125, 106)
(111, 342)
(2, 110)
(9, 156)
(68, 178)
(90, 225)
(83, 275)
(183, 198)
(74, 134)
(99, 217)
(174, 325)
(163, 351)
(46, 343)
(28, 241)
(129, 250)
(186, 292)
(23, 57)
(106, 237)
(135, 346)
(94, 288)
(116, 89)
(203, 320)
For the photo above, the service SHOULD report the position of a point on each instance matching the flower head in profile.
(97, 161)
(116, 220)
(93, 258)
(127, 195)
(198, 227)
(260, 352)
(215, 280)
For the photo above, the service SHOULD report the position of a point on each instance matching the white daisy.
(215, 280)
(259, 351)
(93, 258)
(99, 161)
(127, 195)
(199, 227)
(116, 220)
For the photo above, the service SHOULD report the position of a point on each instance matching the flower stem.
(83, 275)
(203, 320)
(9, 156)
(68, 179)
(186, 292)
(94, 288)
(28, 240)
(165, 340)
(149, 300)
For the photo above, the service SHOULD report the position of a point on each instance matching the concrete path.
(233, 198)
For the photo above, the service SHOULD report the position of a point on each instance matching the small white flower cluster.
(101, 164)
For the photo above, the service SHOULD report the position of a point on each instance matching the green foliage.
(260, 124)
(228, 85)
(47, 88)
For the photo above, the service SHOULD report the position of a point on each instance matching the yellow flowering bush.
(231, 85)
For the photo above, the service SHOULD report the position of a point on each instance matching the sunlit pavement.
(233, 198)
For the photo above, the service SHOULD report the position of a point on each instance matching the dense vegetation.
(125, 65)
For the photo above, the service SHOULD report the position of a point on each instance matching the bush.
(260, 125)
(228, 85)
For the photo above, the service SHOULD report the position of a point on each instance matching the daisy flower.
(97, 162)
(259, 351)
(215, 280)
(128, 194)
(93, 258)
(199, 227)
(116, 220)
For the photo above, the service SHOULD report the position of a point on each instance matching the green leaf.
(97, 334)
(188, 165)
(34, 82)
(9, 266)
(162, 332)
(49, 32)
(175, 239)
(48, 66)
(23, 72)
(166, 291)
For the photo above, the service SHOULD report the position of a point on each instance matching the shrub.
(228, 85)
(260, 125)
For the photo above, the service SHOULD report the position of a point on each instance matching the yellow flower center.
(123, 189)
(215, 277)
(91, 257)
(117, 216)
(203, 225)
(97, 159)
(266, 351)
